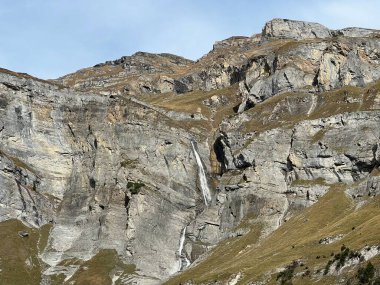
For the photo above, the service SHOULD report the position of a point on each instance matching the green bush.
(327, 267)
(366, 274)
(286, 275)
(134, 187)
(128, 163)
(376, 281)
(340, 258)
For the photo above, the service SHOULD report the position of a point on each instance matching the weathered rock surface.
(76, 160)
(284, 28)
(311, 66)
(298, 30)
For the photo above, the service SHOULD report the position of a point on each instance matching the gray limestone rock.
(311, 67)
(355, 32)
(284, 28)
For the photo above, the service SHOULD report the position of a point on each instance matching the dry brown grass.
(97, 270)
(192, 103)
(264, 115)
(19, 262)
(19, 163)
(27, 76)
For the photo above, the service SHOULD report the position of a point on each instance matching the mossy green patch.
(134, 187)
(128, 163)
(317, 181)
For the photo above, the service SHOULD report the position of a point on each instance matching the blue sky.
(50, 38)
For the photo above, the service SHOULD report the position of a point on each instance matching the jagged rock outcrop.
(296, 165)
(289, 29)
(355, 32)
(145, 73)
(311, 66)
(143, 62)
(288, 56)
(137, 73)
(299, 30)
(155, 159)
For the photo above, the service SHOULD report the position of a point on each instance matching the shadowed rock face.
(106, 158)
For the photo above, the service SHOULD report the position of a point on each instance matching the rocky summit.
(256, 164)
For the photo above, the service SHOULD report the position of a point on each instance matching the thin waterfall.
(202, 176)
(183, 261)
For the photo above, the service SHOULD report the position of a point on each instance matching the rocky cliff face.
(88, 164)
(137, 169)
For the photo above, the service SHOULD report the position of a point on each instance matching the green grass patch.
(97, 270)
(135, 187)
(314, 182)
(128, 163)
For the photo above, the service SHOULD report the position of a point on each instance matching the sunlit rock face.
(150, 161)
(298, 30)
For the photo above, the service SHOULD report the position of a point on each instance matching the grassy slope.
(97, 271)
(192, 103)
(20, 265)
(15, 251)
(27, 76)
(296, 239)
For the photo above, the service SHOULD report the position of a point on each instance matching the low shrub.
(134, 187)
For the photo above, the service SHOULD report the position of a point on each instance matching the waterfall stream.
(202, 176)
(206, 193)
(183, 261)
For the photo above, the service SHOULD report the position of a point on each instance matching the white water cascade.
(183, 261)
(202, 176)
